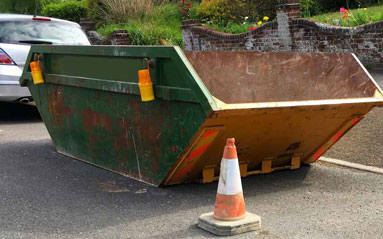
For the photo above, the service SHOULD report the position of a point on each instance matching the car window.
(44, 31)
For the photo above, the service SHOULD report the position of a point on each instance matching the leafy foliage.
(260, 8)
(309, 7)
(95, 10)
(24, 6)
(221, 12)
(70, 10)
(185, 8)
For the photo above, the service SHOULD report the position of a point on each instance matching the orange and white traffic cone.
(229, 204)
(229, 216)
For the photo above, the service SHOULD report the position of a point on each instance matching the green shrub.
(24, 6)
(70, 10)
(193, 11)
(95, 10)
(185, 7)
(260, 8)
(309, 7)
(221, 12)
(5, 6)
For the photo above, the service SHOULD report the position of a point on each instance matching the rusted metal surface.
(248, 77)
(283, 109)
(91, 106)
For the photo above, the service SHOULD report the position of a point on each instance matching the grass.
(233, 28)
(356, 17)
(118, 10)
(161, 27)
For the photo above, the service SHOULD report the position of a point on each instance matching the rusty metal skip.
(284, 109)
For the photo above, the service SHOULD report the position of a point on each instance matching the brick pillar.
(287, 10)
(187, 34)
(291, 7)
(120, 37)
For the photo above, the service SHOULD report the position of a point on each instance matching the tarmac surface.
(44, 194)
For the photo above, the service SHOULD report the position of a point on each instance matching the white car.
(17, 34)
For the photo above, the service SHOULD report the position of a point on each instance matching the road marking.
(352, 165)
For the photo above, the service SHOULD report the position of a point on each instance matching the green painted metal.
(91, 106)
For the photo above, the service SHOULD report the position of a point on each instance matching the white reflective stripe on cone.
(229, 178)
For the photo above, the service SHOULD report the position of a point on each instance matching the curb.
(352, 165)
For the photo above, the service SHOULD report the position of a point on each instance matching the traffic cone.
(229, 204)
(229, 216)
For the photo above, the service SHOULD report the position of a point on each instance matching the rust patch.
(173, 149)
(121, 141)
(293, 146)
(274, 77)
(93, 119)
(146, 129)
(57, 107)
(90, 120)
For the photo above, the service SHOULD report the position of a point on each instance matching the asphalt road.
(47, 195)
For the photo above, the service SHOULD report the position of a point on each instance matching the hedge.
(69, 10)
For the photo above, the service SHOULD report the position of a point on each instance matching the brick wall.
(120, 37)
(290, 33)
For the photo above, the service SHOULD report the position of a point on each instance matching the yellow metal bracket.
(243, 169)
(295, 162)
(207, 175)
(266, 165)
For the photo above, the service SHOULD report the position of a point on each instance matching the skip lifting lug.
(146, 63)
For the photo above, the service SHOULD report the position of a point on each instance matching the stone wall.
(290, 33)
(119, 37)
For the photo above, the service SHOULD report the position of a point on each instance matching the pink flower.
(342, 10)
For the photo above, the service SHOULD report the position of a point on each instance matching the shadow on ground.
(18, 113)
(49, 191)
